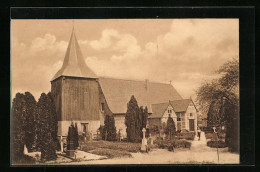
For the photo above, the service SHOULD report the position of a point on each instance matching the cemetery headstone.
(25, 150)
(61, 144)
(144, 142)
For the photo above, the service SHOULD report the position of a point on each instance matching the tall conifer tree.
(45, 128)
(17, 124)
(170, 129)
(110, 128)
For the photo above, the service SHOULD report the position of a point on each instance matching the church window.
(190, 114)
(169, 111)
(102, 106)
(178, 119)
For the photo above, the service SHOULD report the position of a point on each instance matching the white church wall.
(169, 112)
(191, 110)
(92, 126)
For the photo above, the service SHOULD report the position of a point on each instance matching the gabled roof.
(74, 64)
(158, 110)
(180, 105)
(119, 91)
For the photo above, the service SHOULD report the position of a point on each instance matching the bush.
(181, 144)
(175, 143)
(187, 136)
(216, 144)
(124, 146)
(171, 148)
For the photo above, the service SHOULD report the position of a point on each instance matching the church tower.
(76, 92)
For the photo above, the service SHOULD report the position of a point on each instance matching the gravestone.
(151, 139)
(61, 144)
(144, 142)
(25, 150)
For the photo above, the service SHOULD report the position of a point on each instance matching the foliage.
(187, 136)
(23, 124)
(18, 133)
(175, 143)
(135, 120)
(220, 99)
(216, 144)
(123, 146)
(76, 135)
(53, 119)
(131, 120)
(170, 129)
(46, 129)
(29, 127)
(109, 128)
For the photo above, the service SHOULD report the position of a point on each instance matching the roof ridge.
(155, 82)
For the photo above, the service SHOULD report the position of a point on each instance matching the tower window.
(102, 106)
(190, 114)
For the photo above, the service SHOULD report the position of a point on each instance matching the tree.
(131, 120)
(53, 119)
(46, 128)
(220, 99)
(170, 129)
(29, 123)
(143, 121)
(135, 120)
(109, 128)
(76, 135)
(18, 133)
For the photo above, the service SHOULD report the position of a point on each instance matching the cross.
(214, 128)
(144, 130)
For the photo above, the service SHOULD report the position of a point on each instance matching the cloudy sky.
(188, 53)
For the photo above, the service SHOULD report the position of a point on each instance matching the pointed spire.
(74, 64)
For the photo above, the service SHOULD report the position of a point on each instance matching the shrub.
(181, 144)
(171, 148)
(216, 144)
(109, 128)
(186, 135)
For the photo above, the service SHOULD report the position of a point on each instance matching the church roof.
(158, 110)
(119, 91)
(74, 64)
(180, 105)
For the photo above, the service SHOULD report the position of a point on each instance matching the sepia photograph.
(124, 91)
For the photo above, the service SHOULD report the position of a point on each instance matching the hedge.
(216, 144)
(175, 143)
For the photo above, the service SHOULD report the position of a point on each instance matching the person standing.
(199, 132)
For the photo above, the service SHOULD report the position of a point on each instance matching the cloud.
(34, 64)
(106, 39)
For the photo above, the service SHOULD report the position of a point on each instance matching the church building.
(84, 98)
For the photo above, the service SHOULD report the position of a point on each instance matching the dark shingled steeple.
(74, 64)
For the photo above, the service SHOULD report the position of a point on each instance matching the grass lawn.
(110, 149)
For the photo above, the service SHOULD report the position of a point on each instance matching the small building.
(183, 112)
